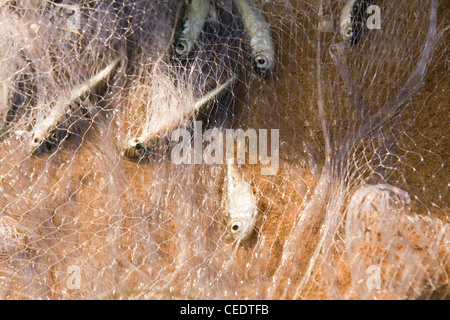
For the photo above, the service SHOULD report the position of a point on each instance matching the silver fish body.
(194, 20)
(240, 204)
(44, 128)
(216, 93)
(137, 147)
(258, 33)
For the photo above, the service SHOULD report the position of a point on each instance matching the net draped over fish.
(93, 205)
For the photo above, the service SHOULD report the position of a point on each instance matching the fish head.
(262, 65)
(347, 32)
(352, 32)
(241, 228)
(38, 137)
(134, 148)
(181, 48)
(263, 53)
(35, 143)
(42, 140)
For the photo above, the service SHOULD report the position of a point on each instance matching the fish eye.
(139, 148)
(235, 227)
(180, 48)
(349, 31)
(261, 62)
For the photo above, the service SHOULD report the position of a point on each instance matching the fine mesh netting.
(93, 205)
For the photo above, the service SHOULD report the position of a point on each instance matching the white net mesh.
(92, 204)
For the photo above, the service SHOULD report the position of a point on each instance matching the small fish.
(351, 22)
(44, 128)
(258, 32)
(194, 19)
(137, 147)
(240, 203)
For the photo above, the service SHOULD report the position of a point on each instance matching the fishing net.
(357, 206)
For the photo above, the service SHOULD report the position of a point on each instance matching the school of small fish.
(240, 202)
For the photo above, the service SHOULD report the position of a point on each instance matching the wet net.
(95, 97)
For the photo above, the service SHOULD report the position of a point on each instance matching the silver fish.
(137, 147)
(194, 19)
(351, 21)
(212, 18)
(44, 128)
(258, 32)
(240, 203)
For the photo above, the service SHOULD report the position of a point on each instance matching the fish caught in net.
(224, 149)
